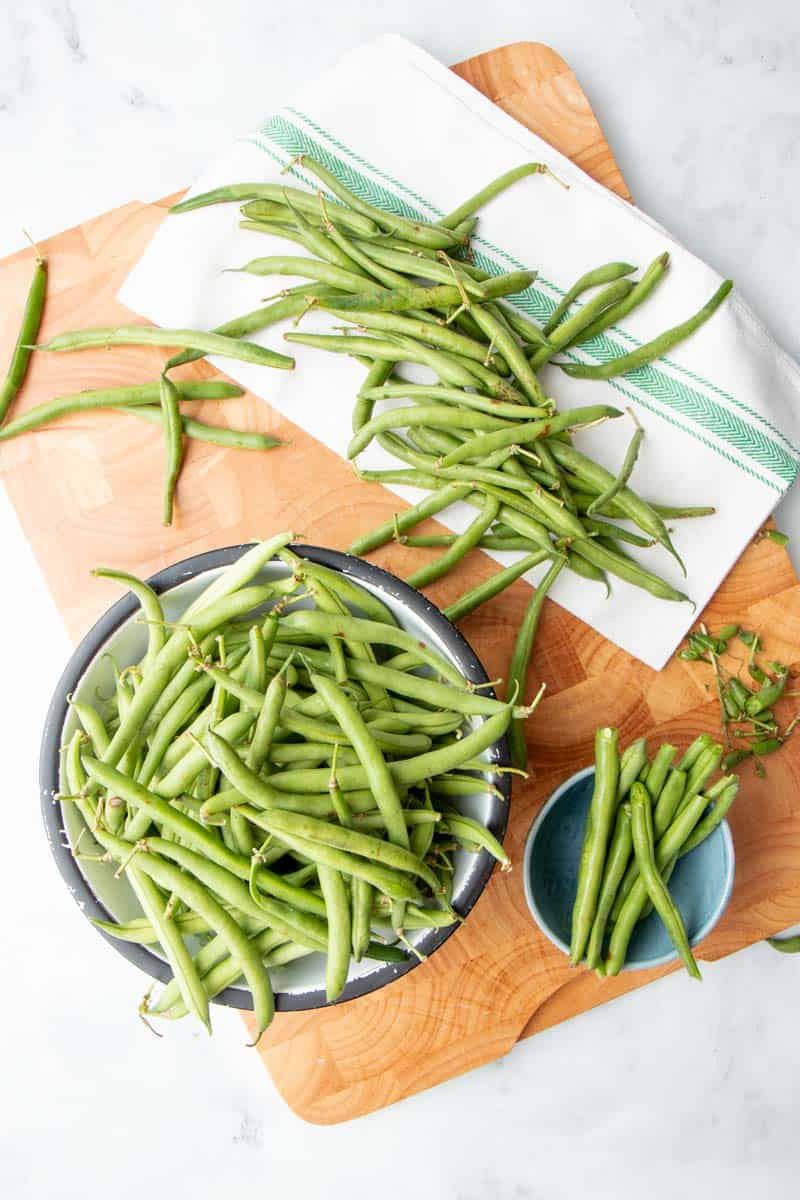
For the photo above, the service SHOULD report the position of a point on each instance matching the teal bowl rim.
(705, 929)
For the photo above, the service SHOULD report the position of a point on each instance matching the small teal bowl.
(701, 883)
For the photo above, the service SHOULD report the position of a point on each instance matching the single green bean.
(467, 541)
(216, 435)
(595, 843)
(489, 588)
(626, 470)
(521, 656)
(521, 434)
(504, 181)
(307, 201)
(337, 906)
(122, 397)
(654, 349)
(644, 850)
(173, 433)
(29, 329)
(146, 335)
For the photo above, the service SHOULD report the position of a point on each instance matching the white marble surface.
(675, 1087)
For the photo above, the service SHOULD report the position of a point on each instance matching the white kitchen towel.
(401, 130)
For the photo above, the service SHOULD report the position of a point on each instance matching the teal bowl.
(701, 883)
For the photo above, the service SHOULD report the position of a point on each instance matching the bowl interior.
(700, 884)
(122, 641)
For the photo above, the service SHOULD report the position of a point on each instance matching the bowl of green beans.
(600, 822)
(277, 791)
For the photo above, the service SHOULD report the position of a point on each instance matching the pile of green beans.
(645, 814)
(279, 775)
(484, 431)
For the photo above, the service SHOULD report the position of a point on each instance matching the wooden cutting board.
(88, 493)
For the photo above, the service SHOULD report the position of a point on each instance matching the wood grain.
(88, 492)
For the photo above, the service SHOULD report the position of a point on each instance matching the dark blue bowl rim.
(88, 649)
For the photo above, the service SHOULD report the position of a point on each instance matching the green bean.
(608, 273)
(337, 962)
(654, 349)
(387, 880)
(703, 741)
(216, 435)
(267, 722)
(441, 336)
(146, 335)
(377, 772)
(424, 233)
(616, 532)
(786, 945)
(617, 858)
(125, 397)
(502, 337)
(418, 296)
(626, 470)
(566, 333)
(305, 201)
(626, 500)
(173, 431)
(659, 769)
(29, 329)
(466, 830)
(151, 611)
(364, 406)
(170, 724)
(363, 845)
(467, 541)
(499, 437)
(481, 198)
(351, 593)
(469, 601)
(638, 293)
(186, 978)
(452, 396)
(143, 933)
(644, 850)
(709, 823)
(595, 842)
(238, 574)
(359, 629)
(428, 507)
(398, 349)
(199, 838)
(520, 659)
(443, 271)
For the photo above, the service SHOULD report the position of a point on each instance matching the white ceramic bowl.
(89, 673)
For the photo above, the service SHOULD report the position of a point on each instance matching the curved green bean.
(652, 350)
